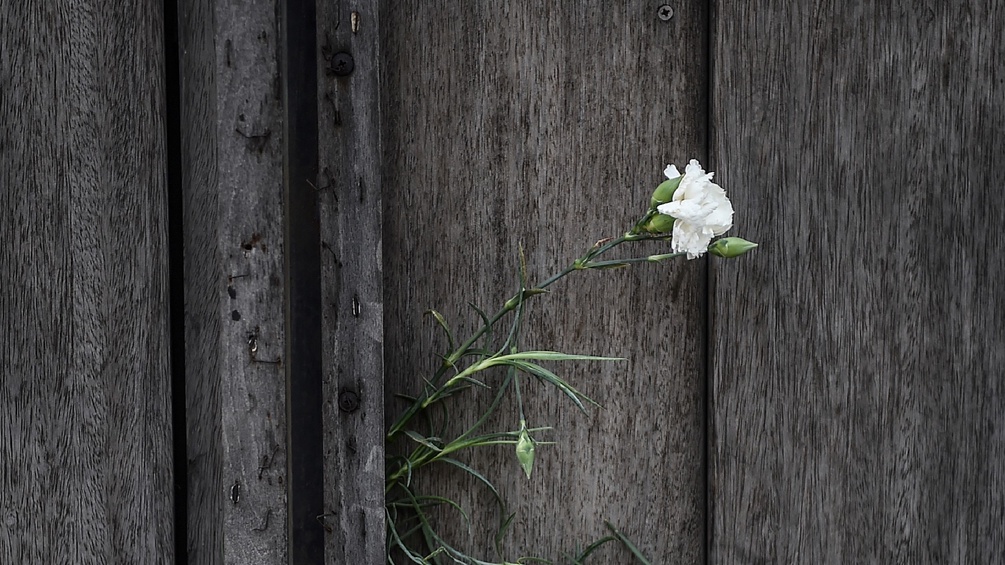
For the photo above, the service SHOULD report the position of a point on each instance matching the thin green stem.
(585, 262)
(624, 262)
(519, 401)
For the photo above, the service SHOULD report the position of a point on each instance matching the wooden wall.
(232, 147)
(350, 181)
(282, 283)
(509, 124)
(85, 395)
(833, 397)
(857, 359)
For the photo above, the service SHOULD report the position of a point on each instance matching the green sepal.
(664, 192)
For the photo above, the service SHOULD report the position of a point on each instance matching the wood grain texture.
(349, 186)
(85, 426)
(509, 123)
(858, 400)
(232, 181)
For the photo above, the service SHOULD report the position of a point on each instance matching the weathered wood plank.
(235, 334)
(85, 426)
(349, 197)
(510, 122)
(858, 399)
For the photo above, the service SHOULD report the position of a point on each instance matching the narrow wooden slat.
(85, 425)
(509, 123)
(232, 180)
(858, 399)
(349, 196)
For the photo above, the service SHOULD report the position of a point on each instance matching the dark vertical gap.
(303, 282)
(176, 276)
(709, 406)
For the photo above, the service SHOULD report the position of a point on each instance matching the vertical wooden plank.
(85, 426)
(858, 400)
(509, 123)
(349, 196)
(232, 180)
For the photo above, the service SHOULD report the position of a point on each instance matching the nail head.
(348, 401)
(342, 64)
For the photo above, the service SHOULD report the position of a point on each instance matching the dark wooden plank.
(349, 196)
(858, 401)
(232, 180)
(85, 425)
(507, 123)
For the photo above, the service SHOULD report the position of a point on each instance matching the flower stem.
(429, 396)
(625, 262)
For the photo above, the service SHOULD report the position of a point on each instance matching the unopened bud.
(525, 451)
(729, 247)
(660, 223)
(664, 192)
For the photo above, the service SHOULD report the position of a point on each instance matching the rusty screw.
(348, 401)
(665, 12)
(342, 64)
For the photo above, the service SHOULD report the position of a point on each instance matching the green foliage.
(411, 533)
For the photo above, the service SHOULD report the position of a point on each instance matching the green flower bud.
(525, 451)
(729, 247)
(660, 223)
(664, 192)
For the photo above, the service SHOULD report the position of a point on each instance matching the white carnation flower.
(700, 207)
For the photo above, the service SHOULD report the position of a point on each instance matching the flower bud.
(664, 192)
(525, 451)
(729, 247)
(660, 223)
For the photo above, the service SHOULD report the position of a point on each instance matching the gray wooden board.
(85, 426)
(349, 193)
(203, 276)
(509, 123)
(235, 337)
(858, 401)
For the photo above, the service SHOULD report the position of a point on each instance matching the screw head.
(665, 12)
(341, 64)
(348, 401)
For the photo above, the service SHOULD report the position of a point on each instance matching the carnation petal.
(671, 171)
(702, 210)
(690, 238)
(694, 167)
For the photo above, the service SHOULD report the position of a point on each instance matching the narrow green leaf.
(488, 484)
(446, 329)
(431, 500)
(591, 548)
(475, 382)
(628, 543)
(486, 323)
(551, 356)
(425, 442)
(504, 523)
(399, 543)
(478, 352)
(555, 380)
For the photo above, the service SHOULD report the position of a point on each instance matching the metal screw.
(348, 401)
(342, 64)
(665, 12)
